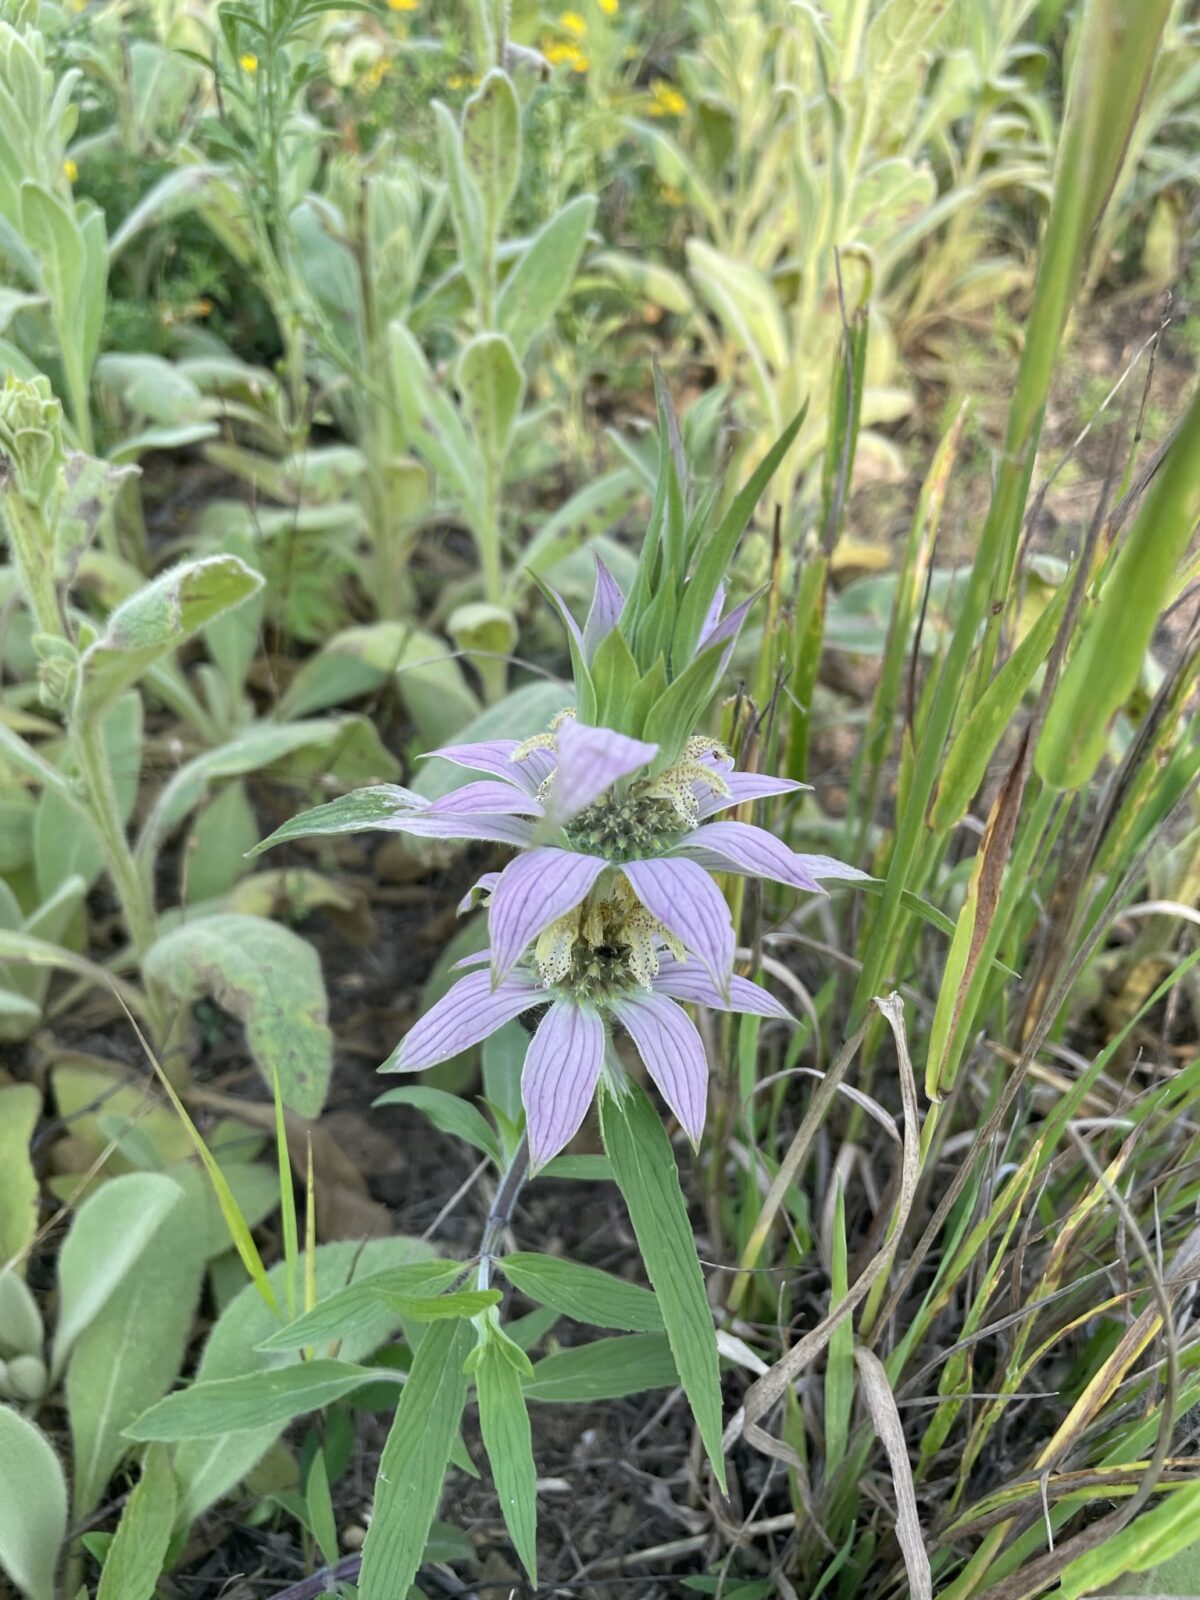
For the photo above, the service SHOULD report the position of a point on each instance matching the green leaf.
(270, 979)
(265, 744)
(585, 1293)
(358, 812)
(465, 202)
(1107, 662)
(644, 1164)
(33, 1506)
(430, 419)
(111, 1229)
(1158, 1535)
(138, 1553)
(346, 1312)
(606, 1369)
(132, 1352)
(20, 1108)
(492, 384)
(411, 1471)
(257, 1400)
(491, 142)
(89, 488)
(209, 1468)
(449, 1113)
(437, 1308)
(839, 1369)
(504, 1423)
(976, 742)
(539, 282)
(158, 618)
(718, 550)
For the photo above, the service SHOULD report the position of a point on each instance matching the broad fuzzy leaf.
(270, 979)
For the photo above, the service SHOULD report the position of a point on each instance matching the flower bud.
(31, 446)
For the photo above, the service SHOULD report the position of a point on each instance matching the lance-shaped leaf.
(466, 206)
(414, 1461)
(155, 620)
(538, 283)
(256, 1400)
(138, 1552)
(270, 979)
(1105, 667)
(359, 812)
(644, 1165)
(504, 1423)
(585, 1293)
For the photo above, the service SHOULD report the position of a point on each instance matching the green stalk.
(132, 888)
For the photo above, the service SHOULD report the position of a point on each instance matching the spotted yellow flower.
(70, 170)
(665, 100)
(572, 22)
(609, 7)
(560, 53)
(248, 63)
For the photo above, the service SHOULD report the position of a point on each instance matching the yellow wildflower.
(70, 170)
(462, 80)
(403, 5)
(665, 100)
(375, 74)
(561, 54)
(248, 63)
(572, 22)
(609, 7)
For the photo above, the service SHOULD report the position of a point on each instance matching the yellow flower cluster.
(565, 53)
(665, 100)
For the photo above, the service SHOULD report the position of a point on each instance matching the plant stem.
(500, 1215)
(132, 888)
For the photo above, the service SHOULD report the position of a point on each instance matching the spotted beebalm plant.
(607, 915)
(607, 912)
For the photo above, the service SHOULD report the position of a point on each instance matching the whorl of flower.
(608, 912)
(613, 916)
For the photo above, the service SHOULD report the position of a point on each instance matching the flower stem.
(503, 1206)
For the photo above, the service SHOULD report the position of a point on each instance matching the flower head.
(572, 22)
(248, 62)
(665, 100)
(565, 53)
